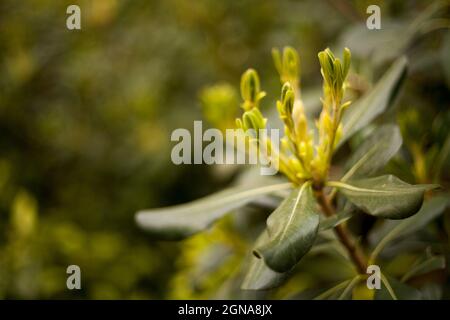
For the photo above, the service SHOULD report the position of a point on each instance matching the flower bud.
(333, 71)
(347, 60)
(285, 147)
(286, 87)
(291, 64)
(288, 102)
(253, 119)
(250, 89)
(296, 165)
(326, 60)
(288, 65)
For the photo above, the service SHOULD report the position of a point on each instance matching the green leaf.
(430, 210)
(347, 292)
(258, 275)
(292, 229)
(395, 37)
(333, 221)
(334, 291)
(374, 152)
(393, 289)
(181, 221)
(372, 104)
(431, 264)
(385, 196)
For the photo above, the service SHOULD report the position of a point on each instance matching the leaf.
(394, 38)
(431, 264)
(429, 211)
(292, 229)
(372, 104)
(347, 293)
(386, 196)
(374, 152)
(334, 291)
(333, 221)
(392, 289)
(181, 221)
(372, 46)
(258, 275)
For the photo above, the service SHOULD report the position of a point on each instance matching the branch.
(354, 251)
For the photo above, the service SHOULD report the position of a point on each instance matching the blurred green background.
(86, 118)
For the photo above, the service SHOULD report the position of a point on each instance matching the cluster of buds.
(252, 119)
(297, 143)
(334, 73)
(299, 158)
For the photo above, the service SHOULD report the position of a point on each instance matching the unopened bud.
(250, 89)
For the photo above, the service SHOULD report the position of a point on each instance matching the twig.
(345, 237)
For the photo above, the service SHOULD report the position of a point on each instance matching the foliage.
(295, 228)
(85, 122)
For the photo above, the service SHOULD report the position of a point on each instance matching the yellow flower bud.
(250, 89)
(288, 65)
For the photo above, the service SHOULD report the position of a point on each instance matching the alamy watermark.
(236, 146)
(73, 21)
(373, 22)
(374, 280)
(74, 278)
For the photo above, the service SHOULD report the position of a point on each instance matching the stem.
(336, 120)
(354, 251)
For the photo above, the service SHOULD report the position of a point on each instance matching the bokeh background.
(86, 118)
